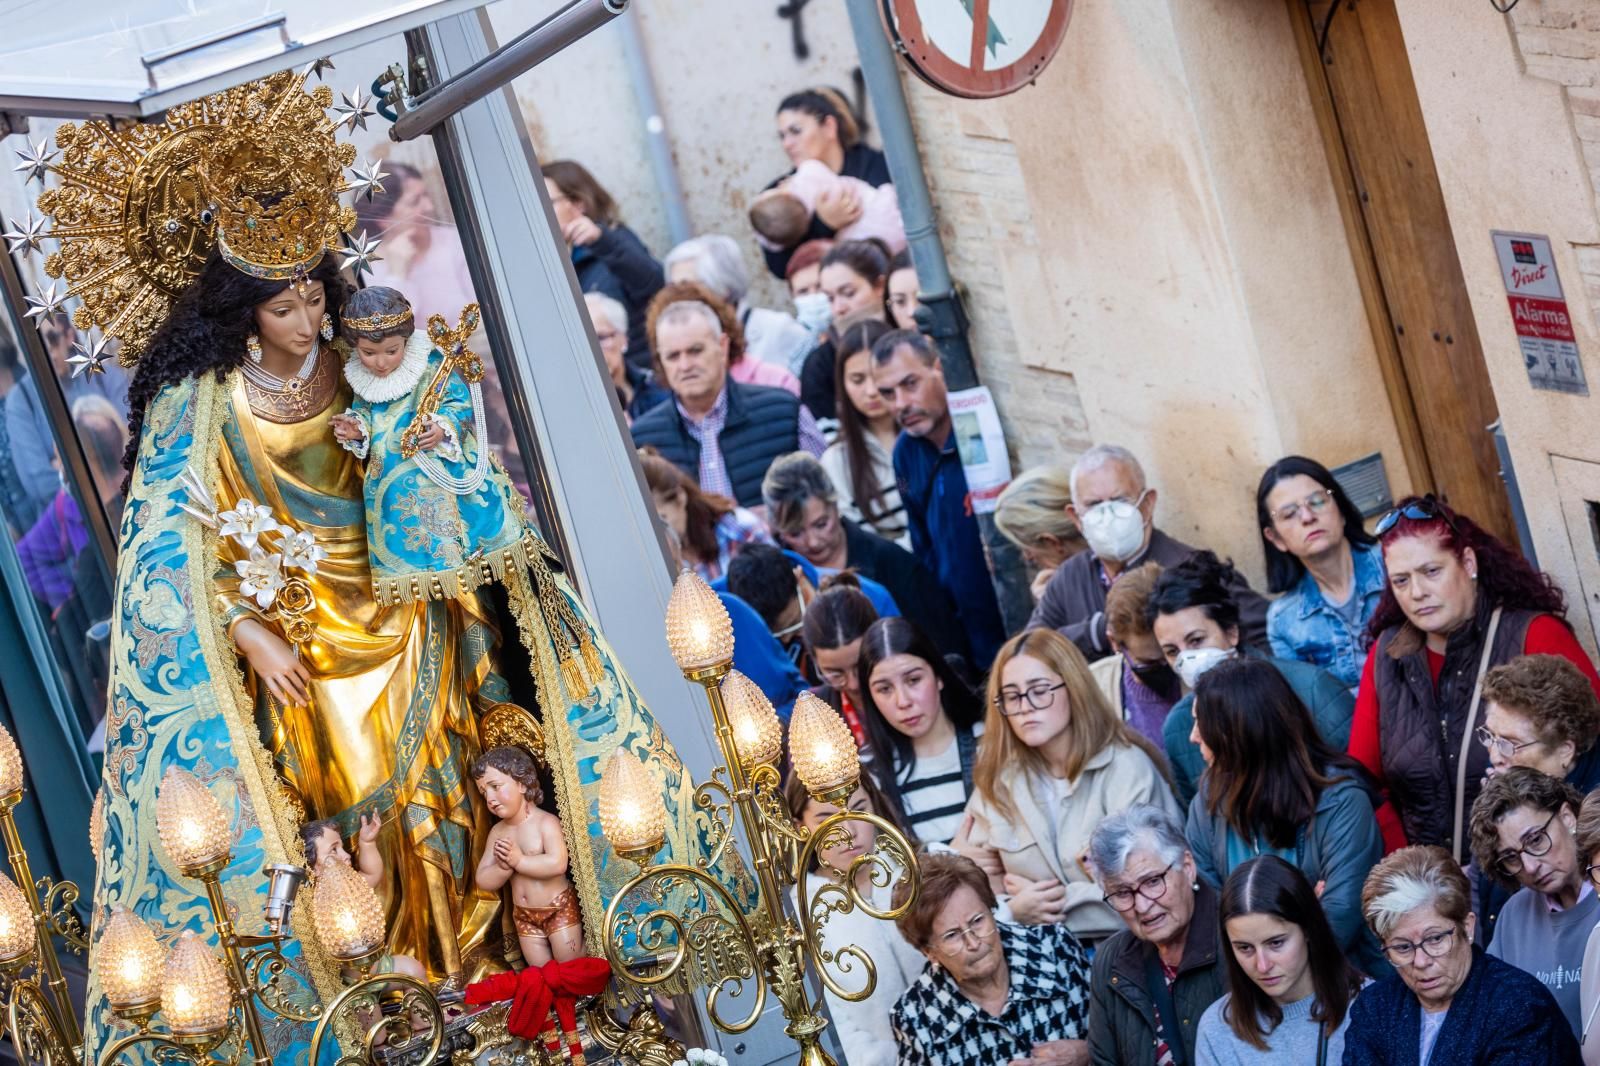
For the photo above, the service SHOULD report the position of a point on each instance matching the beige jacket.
(1107, 673)
(1116, 778)
(1589, 1000)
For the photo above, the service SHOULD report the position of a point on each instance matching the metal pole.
(655, 128)
(569, 25)
(941, 315)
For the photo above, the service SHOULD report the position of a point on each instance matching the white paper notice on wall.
(1539, 312)
(982, 445)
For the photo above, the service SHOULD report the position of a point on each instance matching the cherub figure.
(324, 844)
(438, 519)
(526, 847)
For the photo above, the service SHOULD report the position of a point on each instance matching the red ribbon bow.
(536, 989)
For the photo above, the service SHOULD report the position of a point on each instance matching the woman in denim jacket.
(1327, 565)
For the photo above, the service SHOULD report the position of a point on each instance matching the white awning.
(78, 58)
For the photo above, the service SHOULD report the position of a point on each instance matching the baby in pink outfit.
(782, 215)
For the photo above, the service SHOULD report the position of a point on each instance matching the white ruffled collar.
(399, 381)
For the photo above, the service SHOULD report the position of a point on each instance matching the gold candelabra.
(674, 915)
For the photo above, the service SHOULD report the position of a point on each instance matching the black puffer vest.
(763, 423)
(1420, 728)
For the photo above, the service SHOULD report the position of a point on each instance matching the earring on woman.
(327, 327)
(252, 347)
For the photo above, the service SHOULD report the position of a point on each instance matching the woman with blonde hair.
(1032, 514)
(1055, 760)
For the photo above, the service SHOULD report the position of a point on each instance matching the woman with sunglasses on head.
(1328, 567)
(1458, 603)
(923, 723)
(1055, 761)
(1289, 987)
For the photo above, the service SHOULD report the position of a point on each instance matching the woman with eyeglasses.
(1152, 981)
(993, 992)
(1448, 1004)
(1459, 602)
(1289, 987)
(836, 620)
(1539, 711)
(923, 722)
(1308, 803)
(1328, 567)
(1054, 761)
(1524, 833)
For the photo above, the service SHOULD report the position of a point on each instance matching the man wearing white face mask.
(1114, 508)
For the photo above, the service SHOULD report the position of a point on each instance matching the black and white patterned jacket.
(935, 1025)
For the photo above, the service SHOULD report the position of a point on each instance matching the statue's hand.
(273, 661)
(507, 854)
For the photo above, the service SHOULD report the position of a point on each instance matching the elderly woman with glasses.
(1459, 602)
(992, 992)
(1054, 761)
(1448, 1004)
(1524, 833)
(1153, 980)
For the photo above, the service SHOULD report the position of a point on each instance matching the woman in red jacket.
(1458, 602)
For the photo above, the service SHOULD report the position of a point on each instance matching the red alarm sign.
(978, 48)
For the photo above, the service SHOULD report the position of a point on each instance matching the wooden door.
(1378, 149)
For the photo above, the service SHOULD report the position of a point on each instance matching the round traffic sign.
(978, 48)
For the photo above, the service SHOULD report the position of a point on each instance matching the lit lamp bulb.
(16, 926)
(97, 825)
(823, 750)
(346, 912)
(195, 999)
(699, 631)
(191, 823)
(128, 963)
(757, 734)
(632, 813)
(10, 767)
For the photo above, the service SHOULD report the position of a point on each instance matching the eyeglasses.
(1434, 945)
(1423, 510)
(1038, 697)
(1535, 844)
(836, 678)
(1590, 872)
(1151, 888)
(979, 927)
(1500, 745)
(1315, 503)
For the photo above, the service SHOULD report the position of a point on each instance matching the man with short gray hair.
(1115, 508)
(720, 432)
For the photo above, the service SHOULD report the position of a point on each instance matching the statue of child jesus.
(526, 848)
(445, 520)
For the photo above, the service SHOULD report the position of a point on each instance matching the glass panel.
(112, 56)
(45, 523)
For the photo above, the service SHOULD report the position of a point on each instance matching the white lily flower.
(261, 576)
(301, 551)
(247, 522)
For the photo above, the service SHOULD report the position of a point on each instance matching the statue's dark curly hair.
(206, 331)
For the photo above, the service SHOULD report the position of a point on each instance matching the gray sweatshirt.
(1548, 944)
(1294, 1040)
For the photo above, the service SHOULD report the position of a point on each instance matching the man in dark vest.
(718, 431)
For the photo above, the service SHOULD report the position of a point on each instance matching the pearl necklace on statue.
(267, 381)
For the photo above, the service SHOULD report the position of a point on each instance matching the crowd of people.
(1112, 872)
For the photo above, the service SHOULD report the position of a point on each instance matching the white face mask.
(1115, 529)
(1193, 663)
(814, 310)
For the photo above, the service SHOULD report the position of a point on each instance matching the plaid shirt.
(708, 430)
(935, 1025)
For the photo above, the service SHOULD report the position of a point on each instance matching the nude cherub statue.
(324, 844)
(526, 848)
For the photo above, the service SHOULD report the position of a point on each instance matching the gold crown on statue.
(374, 323)
(135, 218)
(273, 171)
